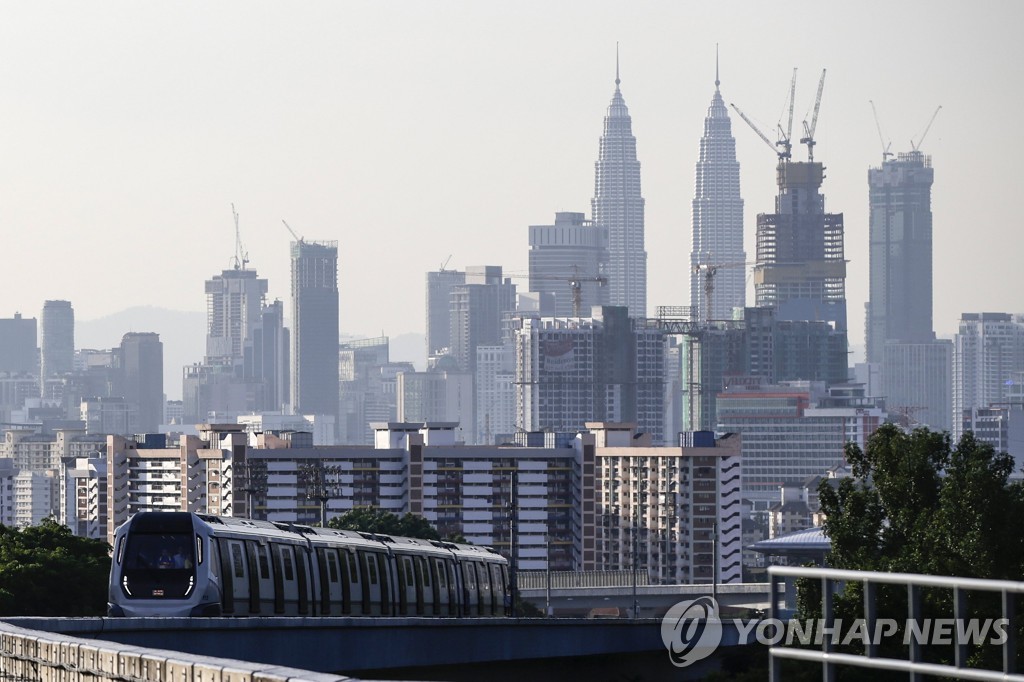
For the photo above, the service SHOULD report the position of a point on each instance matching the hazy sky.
(409, 131)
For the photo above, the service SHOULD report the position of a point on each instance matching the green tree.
(917, 503)
(369, 520)
(47, 571)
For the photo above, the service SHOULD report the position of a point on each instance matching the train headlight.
(124, 584)
(191, 584)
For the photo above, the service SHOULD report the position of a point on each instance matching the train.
(186, 564)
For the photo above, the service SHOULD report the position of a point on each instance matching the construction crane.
(446, 261)
(786, 136)
(920, 140)
(241, 256)
(297, 237)
(808, 137)
(881, 138)
(758, 131)
(575, 282)
(710, 270)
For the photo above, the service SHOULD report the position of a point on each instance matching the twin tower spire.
(618, 208)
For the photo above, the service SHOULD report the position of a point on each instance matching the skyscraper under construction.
(801, 267)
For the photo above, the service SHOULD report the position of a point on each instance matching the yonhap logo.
(691, 631)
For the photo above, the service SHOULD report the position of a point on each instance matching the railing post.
(775, 670)
(1010, 646)
(914, 615)
(828, 670)
(959, 622)
(870, 618)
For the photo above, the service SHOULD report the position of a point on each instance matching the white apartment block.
(34, 497)
(83, 496)
(988, 351)
(495, 393)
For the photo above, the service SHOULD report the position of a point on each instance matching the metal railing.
(833, 580)
(559, 580)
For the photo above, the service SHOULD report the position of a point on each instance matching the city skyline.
(335, 130)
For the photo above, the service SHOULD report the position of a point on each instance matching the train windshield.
(158, 566)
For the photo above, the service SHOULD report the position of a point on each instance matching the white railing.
(833, 580)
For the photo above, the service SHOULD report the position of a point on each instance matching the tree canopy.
(918, 504)
(47, 571)
(371, 520)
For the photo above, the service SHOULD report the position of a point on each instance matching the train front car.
(159, 568)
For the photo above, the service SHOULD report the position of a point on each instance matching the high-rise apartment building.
(618, 208)
(988, 352)
(314, 290)
(567, 262)
(900, 303)
(234, 304)
(141, 360)
(801, 266)
(56, 339)
(439, 309)
(718, 219)
(608, 367)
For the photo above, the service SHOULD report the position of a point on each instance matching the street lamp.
(322, 484)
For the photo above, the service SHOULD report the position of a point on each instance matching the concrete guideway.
(351, 644)
(51, 657)
(654, 600)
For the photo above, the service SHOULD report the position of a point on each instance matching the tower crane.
(241, 256)
(786, 136)
(297, 237)
(920, 140)
(710, 270)
(758, 131)
(881, 138)
(575, 282)
(808, 137)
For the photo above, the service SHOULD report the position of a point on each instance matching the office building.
(56, 339)
(439, 309)
(717, 219)
(793, 430)
(141, 361)
(607, 367)
(567, 262)
(618, 208)
(917, 383)
(988, 352)
(18, 352)
(234, 306)
(314, 288)
(478, 309)
(1002, 427)
(438, 396)
(899, 307)
(495, 394)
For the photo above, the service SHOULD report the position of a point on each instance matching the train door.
(351, 586)
(486, 593)
(306, 580)
(252, 570)
(234, 576)
(424, 588)
(374, 588)
(289, 580)
(499, 587)
(443, 600)
(264, 578)
(471, 601)
(332, 593)
(388, 582)
(406, 601)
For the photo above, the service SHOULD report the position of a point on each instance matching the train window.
(264, 562)
(470, 575)
(286, 555)
(407, 573)
(236, 560)
(424, 570)
(199, 549)
(372, 564)
(332, 565)
(441, 582)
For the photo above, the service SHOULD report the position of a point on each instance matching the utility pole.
(547, 590)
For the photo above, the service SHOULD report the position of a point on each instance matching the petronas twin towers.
(618, 209)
